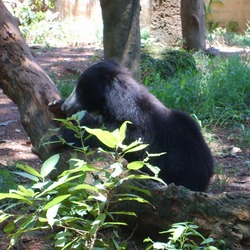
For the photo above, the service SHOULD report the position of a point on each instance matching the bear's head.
(90, 93)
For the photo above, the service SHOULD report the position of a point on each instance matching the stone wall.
(166, 20)
(231, 10)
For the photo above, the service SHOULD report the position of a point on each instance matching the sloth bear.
(108, 89)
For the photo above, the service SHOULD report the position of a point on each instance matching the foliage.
(77, 204)
(222, 36)
(65, 84)
(183, 236)
(166, 65)
(233, 26)
(146, 40)
(219, 92)
(41, 26)
(62, 33)
(7, 180)
(44, 28)
(30, 12)
(208, 11)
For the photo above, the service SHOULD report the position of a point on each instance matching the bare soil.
(231, 155)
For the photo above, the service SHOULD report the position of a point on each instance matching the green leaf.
(118, 169)
(28, 222)
(143, 190)
(55, 201)
(115, 223)
(104, 136)
(122, 132)
(135, 165)
(132, 198)
(143, 177)
(155, 170)
(148, 240)
(62, 234)
(124, 213)
(79, 115)
(84, 186)
(29, 170)
(51, 214)
(41, 185)
(212, 248)
(26, 192)
(4, 216)
(28, 176)
(178, 232)
(134, 146)
(160, 245)
(54, 185)
(62, 240)
(10, 227)
(14, 196)
(207, 241)
(97, 223)
(49, 165)
(42, 219)
(99, 197)
(137, 148)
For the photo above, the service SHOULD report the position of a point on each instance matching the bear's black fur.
(108, 89)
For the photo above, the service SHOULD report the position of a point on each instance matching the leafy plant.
(28, 14)
(77, 204)
(233, 26)
(65, 84)
(165, 65)
(7, 180)
(184, 235)
(218, 92)
(222, 36)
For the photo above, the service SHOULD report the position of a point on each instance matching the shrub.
(7, 180)
(218, 92)
(166, 65)
(77, 204)
(184, 235)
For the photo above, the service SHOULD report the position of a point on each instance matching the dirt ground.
(232, 159)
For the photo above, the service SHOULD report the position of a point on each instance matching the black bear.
(108, 89)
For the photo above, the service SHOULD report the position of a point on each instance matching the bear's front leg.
(55, 108)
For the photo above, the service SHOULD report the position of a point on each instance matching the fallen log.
(224, 216)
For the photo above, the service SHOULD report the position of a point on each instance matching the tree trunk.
(121, 33)
(25, 82)
(193, 24)
(224, 216)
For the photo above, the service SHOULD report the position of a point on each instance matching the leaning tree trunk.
(121, 32)
(225, 216)
(25, 82)
(193, 24)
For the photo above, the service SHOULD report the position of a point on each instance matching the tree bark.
(193, 24)
(25, 82)
(121, 32)
(224, 216)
